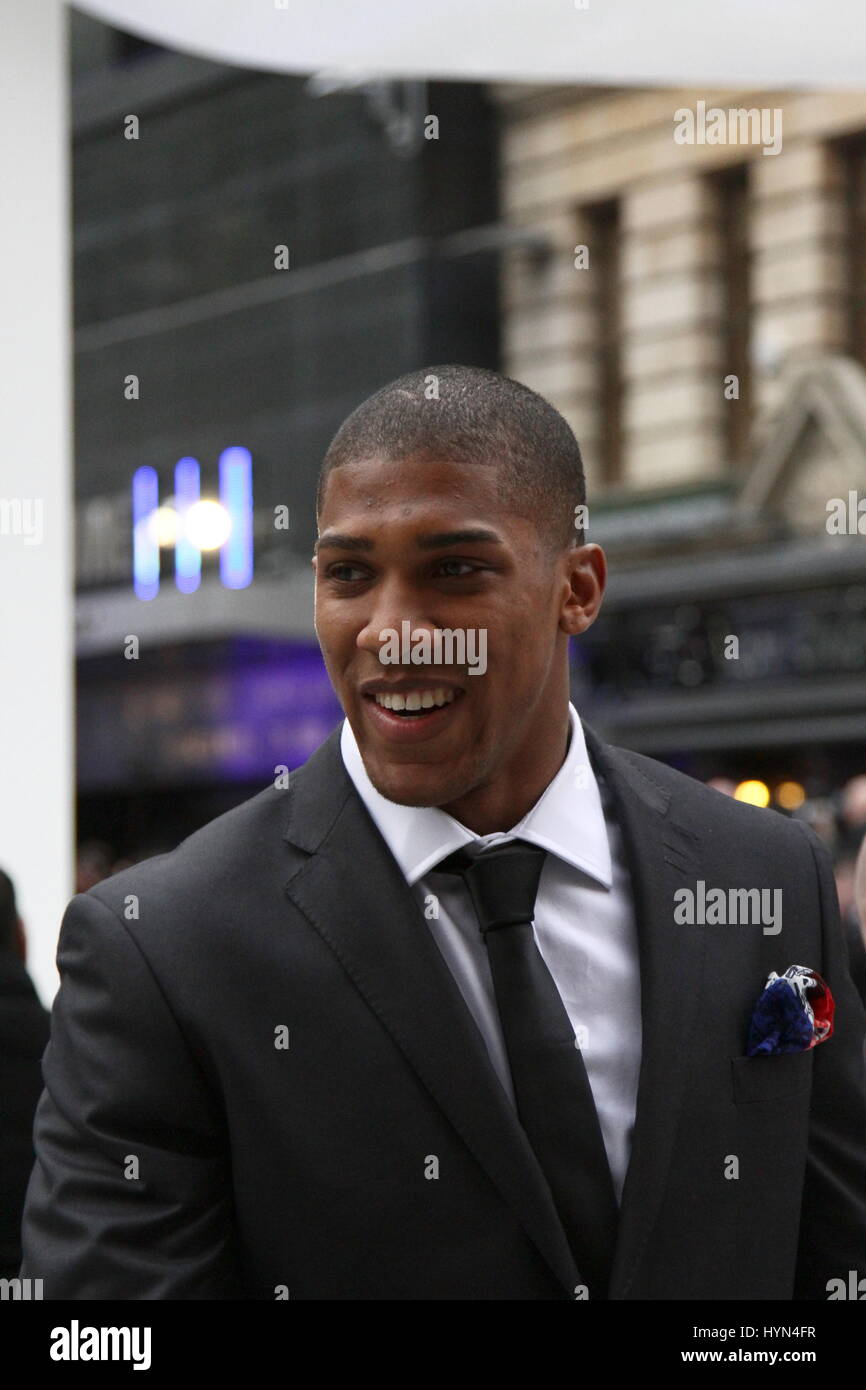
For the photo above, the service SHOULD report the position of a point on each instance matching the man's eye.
(345, 578)
(467, 565)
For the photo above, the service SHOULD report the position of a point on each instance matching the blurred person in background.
(93, 864)
(843, 873)
(726, 785)
(849, 870)
(855, 923)
(819, 813)
(852, 812)
(24, 1029)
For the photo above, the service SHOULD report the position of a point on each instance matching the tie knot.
(502, 881)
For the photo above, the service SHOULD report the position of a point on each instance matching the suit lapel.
(354, 895)
(663, 855)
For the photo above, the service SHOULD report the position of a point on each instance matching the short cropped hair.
(473, 416)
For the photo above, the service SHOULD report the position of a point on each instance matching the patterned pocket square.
(794, 1013)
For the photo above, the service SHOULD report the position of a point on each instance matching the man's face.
(431, 544)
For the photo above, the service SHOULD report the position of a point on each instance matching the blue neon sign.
(236, 500)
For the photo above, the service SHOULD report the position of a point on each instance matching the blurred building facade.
(697, 314)
(254, 254)
(562, 235)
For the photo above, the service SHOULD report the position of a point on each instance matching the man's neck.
(487, 810)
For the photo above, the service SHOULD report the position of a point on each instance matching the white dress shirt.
(584, 923)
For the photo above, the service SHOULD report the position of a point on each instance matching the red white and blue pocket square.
(794, 1013)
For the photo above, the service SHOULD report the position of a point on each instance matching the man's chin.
(415, 789)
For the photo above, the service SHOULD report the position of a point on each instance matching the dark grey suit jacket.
(181, 1154)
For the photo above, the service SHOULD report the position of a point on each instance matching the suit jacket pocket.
(755, 1079)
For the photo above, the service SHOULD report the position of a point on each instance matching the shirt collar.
(567, 820)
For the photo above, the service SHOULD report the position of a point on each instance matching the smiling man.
(442, 528)
(426, 1024)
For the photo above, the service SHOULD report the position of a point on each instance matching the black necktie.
(554, 1099)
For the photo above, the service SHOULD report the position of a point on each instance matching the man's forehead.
(412, 474)
(388, 494)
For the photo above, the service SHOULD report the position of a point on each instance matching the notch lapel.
(663, 855)
(352, 892)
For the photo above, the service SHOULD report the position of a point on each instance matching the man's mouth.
(415, 702)
(412, 713)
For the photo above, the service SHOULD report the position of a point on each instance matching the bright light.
(208, 525)
(187, 556)
(236, 495)
(163, 526)
(753, 793)
(145, 551)
(790, 795)
(188, 524)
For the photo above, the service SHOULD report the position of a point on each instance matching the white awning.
(772, 43)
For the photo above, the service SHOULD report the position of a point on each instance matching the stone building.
(696, 308)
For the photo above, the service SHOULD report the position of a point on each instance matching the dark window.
(601, 223)
(853, 161)
(732, 221)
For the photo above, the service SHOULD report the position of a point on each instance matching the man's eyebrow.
(338, 542)
(438, 540)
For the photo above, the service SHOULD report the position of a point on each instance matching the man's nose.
(394, 604)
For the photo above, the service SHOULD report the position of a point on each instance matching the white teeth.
(415, 699)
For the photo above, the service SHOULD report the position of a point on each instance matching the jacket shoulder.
(703, 807)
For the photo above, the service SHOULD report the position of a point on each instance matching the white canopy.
(771, 43)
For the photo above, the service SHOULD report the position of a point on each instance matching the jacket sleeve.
(833, 1215)
(130, 1194)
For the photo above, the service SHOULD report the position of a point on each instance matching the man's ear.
(20, 940)
(586, 578)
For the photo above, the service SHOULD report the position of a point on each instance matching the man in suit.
(429, 1023)
(24, 1028)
